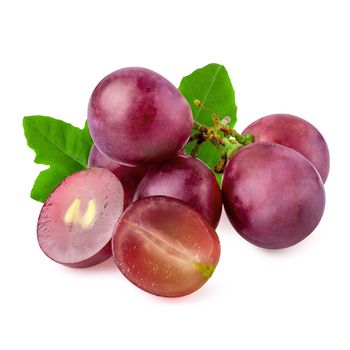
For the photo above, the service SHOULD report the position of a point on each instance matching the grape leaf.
(62, 146)
(212, 86)
(87, 132)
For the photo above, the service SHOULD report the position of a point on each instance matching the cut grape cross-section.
(77, 221)
(165, 247)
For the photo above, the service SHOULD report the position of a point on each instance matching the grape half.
(188, 179)
(165, 247)
(273, 196)
(137, 117)
(296, 133)
(129, 176)
(77, 221)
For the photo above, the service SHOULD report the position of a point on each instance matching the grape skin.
(296, 133)
(188, 179)
(138, 118)
(71, 243)
(129, 176)
(165, 247)
(273, 196)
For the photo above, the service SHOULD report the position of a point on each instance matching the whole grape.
(294, 132)
(273, 196)
(188, 179)
(138, 118)
(128, 176)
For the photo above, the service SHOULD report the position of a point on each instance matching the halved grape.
(77, 221)
(188, 179)
(165, 247)
(137, 117)
(129, 176)
(273, 196)
(296, 133)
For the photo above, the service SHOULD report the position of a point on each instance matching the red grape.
(188, 179)
(294, 132)
(76, 222)
(129, 176)
(273, 196)
(137, 117)
(165, 247)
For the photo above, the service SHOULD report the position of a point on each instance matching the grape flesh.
(296, 133)
(129, 176)
(138, 118)
(77, 221)
(165, 247)
(188, 179)
(273, 196)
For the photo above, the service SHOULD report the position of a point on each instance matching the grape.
(137, 117)
(76, 222)
(129, 176)
(188, 179)
(273, 196)
(165, 247)
(294, 132)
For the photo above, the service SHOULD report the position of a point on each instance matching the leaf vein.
(209, 89)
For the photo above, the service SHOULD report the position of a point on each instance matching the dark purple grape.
(294, 132)
(273, 196)
(129, 176)
(165, 247)
(77, 221)
(137, 117)
(188, 179)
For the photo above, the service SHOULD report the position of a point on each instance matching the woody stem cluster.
(225, 139)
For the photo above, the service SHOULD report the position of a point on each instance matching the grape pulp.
(76, 222)
(165, 247)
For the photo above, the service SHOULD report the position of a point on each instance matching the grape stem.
(225, 139)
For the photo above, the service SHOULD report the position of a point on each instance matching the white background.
(282, 56)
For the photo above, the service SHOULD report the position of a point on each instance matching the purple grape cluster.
(155, 209)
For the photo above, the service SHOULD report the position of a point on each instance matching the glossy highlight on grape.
(165, 247)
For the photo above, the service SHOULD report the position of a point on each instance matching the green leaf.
(62, 146)
(87, 132)
(209, 155)
(212, 86)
